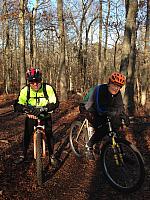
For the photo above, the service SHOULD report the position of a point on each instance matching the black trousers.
(28, 133)
(101, 128)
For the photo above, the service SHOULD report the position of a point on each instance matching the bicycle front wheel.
(123, 166)
(78, 138)
(39, 164)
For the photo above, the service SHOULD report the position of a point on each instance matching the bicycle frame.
(40, 128)
(121, 162)
(39, 142)
(85, 122)
(111, 136)
(115, 146)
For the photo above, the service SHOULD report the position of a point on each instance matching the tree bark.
(22, 43)
(100, 67)
(146, 89)
(34, 34)
(128, 52)
(62, 68)
(6, 52)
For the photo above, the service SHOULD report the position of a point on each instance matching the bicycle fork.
(117, 151)
(36, 129)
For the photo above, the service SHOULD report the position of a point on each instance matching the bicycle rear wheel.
(78, 138)
(128, 174)
(39, 164)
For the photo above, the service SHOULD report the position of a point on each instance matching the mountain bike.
(122, 163)
(39, 143)
(39, 149)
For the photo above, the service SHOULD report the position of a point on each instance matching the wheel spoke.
(127, 175)
(78, 138)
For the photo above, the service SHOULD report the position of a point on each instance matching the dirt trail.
(75, 179)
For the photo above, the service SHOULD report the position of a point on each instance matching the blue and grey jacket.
(101, 100)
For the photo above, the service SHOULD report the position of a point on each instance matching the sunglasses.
(35, 82)
(115, 85)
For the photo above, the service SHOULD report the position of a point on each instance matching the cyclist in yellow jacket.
(42, 97)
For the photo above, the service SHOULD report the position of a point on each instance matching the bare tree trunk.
(82, 57)
(62, 69)
(22, 43)
(130, 12)
(131, 69)
(34, 34)
(128, 51)
(7, 52)
(147, 34)
(31, 39)
(115, 51)
(80, 50)
(106, 40)
(118, 37)
(85, 58)
(107, 24)
(146, 89)
(17, 68)
(100, 45)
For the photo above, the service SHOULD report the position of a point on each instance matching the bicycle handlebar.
(29, 109)
(122, 115)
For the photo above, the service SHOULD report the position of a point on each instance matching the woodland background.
(77, 44)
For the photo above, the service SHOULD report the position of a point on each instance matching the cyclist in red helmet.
(37, 94)
(105, 99)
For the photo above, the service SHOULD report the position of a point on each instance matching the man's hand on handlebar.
(32, 116)
(28, 111)
(125, 118)
(37, 111)
(34, 112)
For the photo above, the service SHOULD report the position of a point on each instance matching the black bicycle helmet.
(34, 75)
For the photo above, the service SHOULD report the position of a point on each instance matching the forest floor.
(74, 179)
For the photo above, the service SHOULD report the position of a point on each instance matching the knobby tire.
(133, 164)
(39, 164)
(78, 146)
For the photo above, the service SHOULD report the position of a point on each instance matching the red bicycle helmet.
(34, 75)
(117, 78)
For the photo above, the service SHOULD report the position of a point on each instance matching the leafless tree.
(100, 43)
(62, 69)
(22, 42)
(128, 52)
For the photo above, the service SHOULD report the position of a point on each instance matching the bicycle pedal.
(89, 155)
